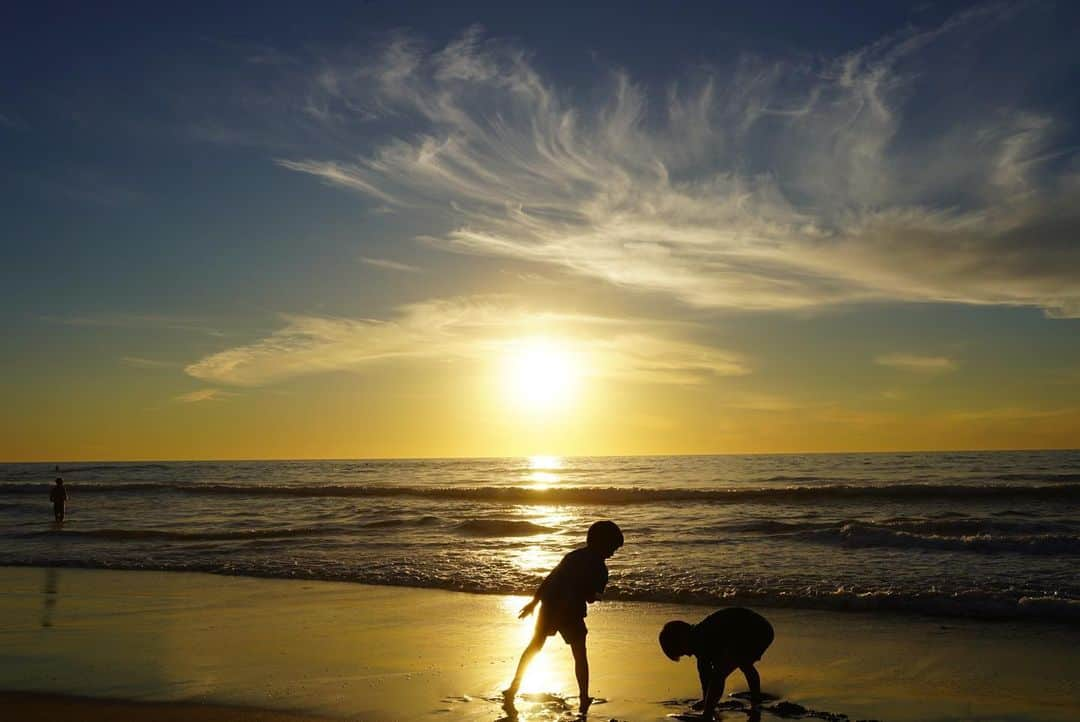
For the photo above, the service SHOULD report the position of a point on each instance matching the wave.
(590, 495)
(391, 523)
(868, 535)
(945, 534)
(155, 534)
(112, 467)
(503, 527)
(966, 603)
(473, 527)
(1060, 477)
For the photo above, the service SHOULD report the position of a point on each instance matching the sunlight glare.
(551, 671)
(545, 462)
(543, 471)
(540, 374)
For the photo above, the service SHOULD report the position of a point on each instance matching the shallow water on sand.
(386, 653)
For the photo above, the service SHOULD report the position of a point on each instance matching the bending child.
(725, 640)
(577, 581)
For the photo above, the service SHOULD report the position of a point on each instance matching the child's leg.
(753, 681)
(535, 645)
(581, 671)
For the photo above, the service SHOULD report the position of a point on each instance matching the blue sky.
(786, 204)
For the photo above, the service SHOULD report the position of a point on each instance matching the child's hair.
(671, 639)
(605, 534)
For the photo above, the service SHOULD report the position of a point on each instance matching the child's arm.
(598, 586)
(717, 677)
(753, 681)
(528, 608)
(704, 672)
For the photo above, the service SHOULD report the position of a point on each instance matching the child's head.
(59, 481)
(675, 639)
(604, 537)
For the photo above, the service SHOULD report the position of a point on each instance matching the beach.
(363, 652)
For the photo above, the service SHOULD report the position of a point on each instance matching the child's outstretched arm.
(528, 608)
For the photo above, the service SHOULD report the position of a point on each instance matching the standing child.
(723, 641)
(577, 581)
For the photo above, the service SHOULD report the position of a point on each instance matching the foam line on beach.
(969, 604)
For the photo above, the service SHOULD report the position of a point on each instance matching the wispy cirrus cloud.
(200, 395)
(883, 174)
(916, 362)
(474, 328)
(141, 362)
(136, 320)
(390, 265)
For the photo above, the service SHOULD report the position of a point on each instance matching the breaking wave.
(503, 527)
(590, 495)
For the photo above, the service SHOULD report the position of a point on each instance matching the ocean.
(991, 535)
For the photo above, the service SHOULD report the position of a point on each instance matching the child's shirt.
(578, 579)
(739, 634)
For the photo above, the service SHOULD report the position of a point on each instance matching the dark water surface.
(974, 534)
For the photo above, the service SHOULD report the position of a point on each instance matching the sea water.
(973, 534)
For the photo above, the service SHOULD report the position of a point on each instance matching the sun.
(540, 374)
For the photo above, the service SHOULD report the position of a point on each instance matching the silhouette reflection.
(50, 595)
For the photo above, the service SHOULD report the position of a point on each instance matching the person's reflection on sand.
(50, 593)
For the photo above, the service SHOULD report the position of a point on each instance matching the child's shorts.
(572, 628)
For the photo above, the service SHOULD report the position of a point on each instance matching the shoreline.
(1026, 610)
(353, 651)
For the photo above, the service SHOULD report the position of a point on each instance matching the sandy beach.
(348, 651)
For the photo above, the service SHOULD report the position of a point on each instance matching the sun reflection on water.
(543, 471)
(545, 462)
(536, 559)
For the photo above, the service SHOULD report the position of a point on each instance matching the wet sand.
(31, 707)
(350, 651)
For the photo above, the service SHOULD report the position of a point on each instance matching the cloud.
(1011, 414)
(913, 362)
(390, 265)
(477, 329)
(898, 172)
(136, 320)
(146, 363)
(194, 397)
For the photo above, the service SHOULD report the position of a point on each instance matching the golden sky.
(443, 239)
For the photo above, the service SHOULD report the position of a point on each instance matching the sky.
(401, 229)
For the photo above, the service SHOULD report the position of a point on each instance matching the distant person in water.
(58, 497)
(733, 638)
(577, 581)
